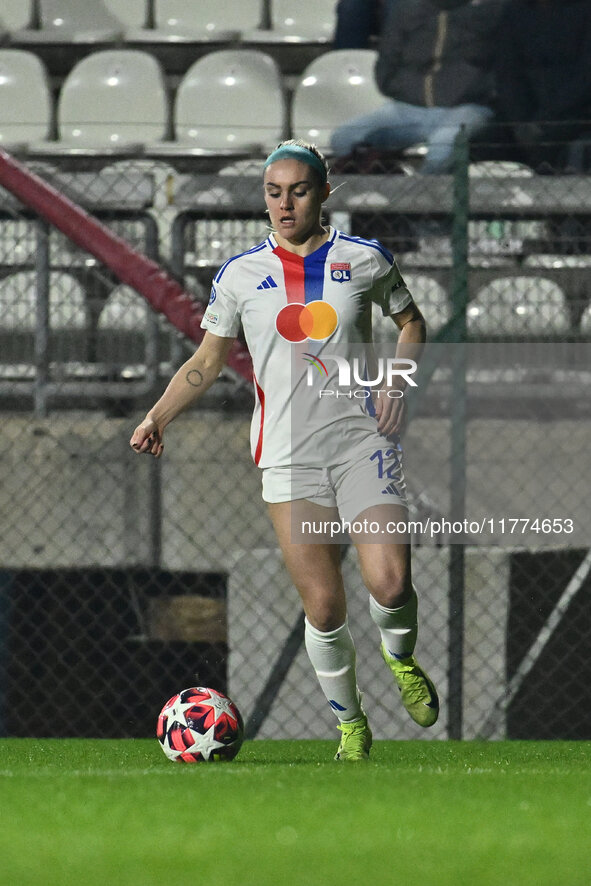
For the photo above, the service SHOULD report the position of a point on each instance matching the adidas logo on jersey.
(267, 283)
(390, 489)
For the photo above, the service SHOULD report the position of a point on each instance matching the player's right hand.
(147, 438)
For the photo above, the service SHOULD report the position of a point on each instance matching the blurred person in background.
(358, 21)
(435, 66)
(544, 80)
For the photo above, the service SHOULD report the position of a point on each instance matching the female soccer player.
(327, 446)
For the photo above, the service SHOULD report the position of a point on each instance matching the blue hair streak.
(303, 155)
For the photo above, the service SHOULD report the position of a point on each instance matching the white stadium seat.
(201, 21)
(431, 298)
(25, 99)
(213, 240)
(305, 21)
(18, 298)
(499, 169)
(129, 333)
(18, 302)
(70, 21)
(522, 306)
(16, 14)
(122, 328)
(585, 325)
(556, 261)
(334, 88)
(228, 102)
(124, 311)
(111, 101)
(132, 14)
(68, 318)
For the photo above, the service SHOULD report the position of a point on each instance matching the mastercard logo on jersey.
(316, 320)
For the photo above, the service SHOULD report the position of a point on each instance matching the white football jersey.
(298, 313)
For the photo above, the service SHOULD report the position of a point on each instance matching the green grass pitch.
(283, 813)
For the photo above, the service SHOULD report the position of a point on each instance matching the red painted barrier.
(163, 293)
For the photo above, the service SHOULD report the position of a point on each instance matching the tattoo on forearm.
(195, 378)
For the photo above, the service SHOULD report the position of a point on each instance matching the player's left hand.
(390, 413)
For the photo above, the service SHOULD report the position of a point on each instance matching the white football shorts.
(372, 476)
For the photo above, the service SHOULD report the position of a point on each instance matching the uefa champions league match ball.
(200, 725)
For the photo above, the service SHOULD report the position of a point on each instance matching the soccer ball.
(200, 724)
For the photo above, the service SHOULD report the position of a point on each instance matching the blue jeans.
(398, 125)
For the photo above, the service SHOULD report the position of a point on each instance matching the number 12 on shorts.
(386, 471)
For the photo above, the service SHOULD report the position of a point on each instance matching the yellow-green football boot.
(417, 690)
(355, 741)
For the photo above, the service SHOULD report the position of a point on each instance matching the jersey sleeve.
(389, 290)
(222, 316)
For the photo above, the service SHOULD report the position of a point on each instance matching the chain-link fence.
(123, 580)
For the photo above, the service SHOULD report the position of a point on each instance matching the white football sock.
(398, 627)
(332, 654)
